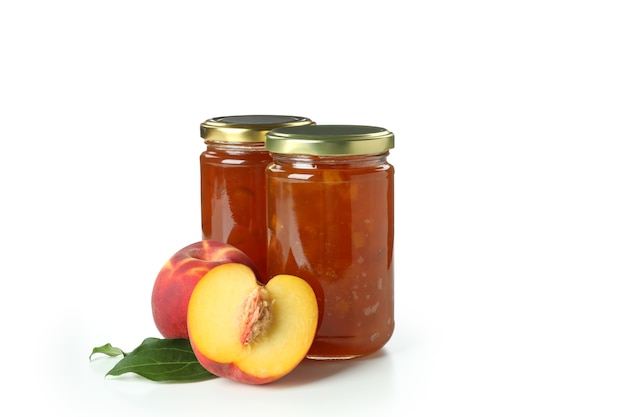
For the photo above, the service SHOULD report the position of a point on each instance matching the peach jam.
(232, 181)
(330, 214)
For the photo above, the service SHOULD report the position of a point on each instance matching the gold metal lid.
(246, 128)
(327, 140)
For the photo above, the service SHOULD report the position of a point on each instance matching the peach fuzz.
(178, 277)
(250, 332)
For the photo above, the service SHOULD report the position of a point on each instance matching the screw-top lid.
(327, 140)
(248, 128)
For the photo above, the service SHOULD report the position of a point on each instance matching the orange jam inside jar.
(232, 181)
(331, 222)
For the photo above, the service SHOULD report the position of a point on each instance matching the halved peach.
(248, 332)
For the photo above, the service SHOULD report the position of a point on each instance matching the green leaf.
(107, 350)
(164, 360)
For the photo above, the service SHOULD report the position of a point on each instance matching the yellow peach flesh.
(291, 332)
(214, 315)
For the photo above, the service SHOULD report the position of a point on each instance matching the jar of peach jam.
(331, 222)
(232, 181)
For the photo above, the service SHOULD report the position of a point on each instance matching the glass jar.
(232, 181)
(331, 222)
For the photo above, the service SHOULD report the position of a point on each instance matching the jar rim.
(246, 128)
(326, 140)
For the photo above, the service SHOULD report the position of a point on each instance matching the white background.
(510, 122)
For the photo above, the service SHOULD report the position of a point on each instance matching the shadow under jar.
(330, 214)
(232, 181)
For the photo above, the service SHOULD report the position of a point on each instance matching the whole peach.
(178, 277)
